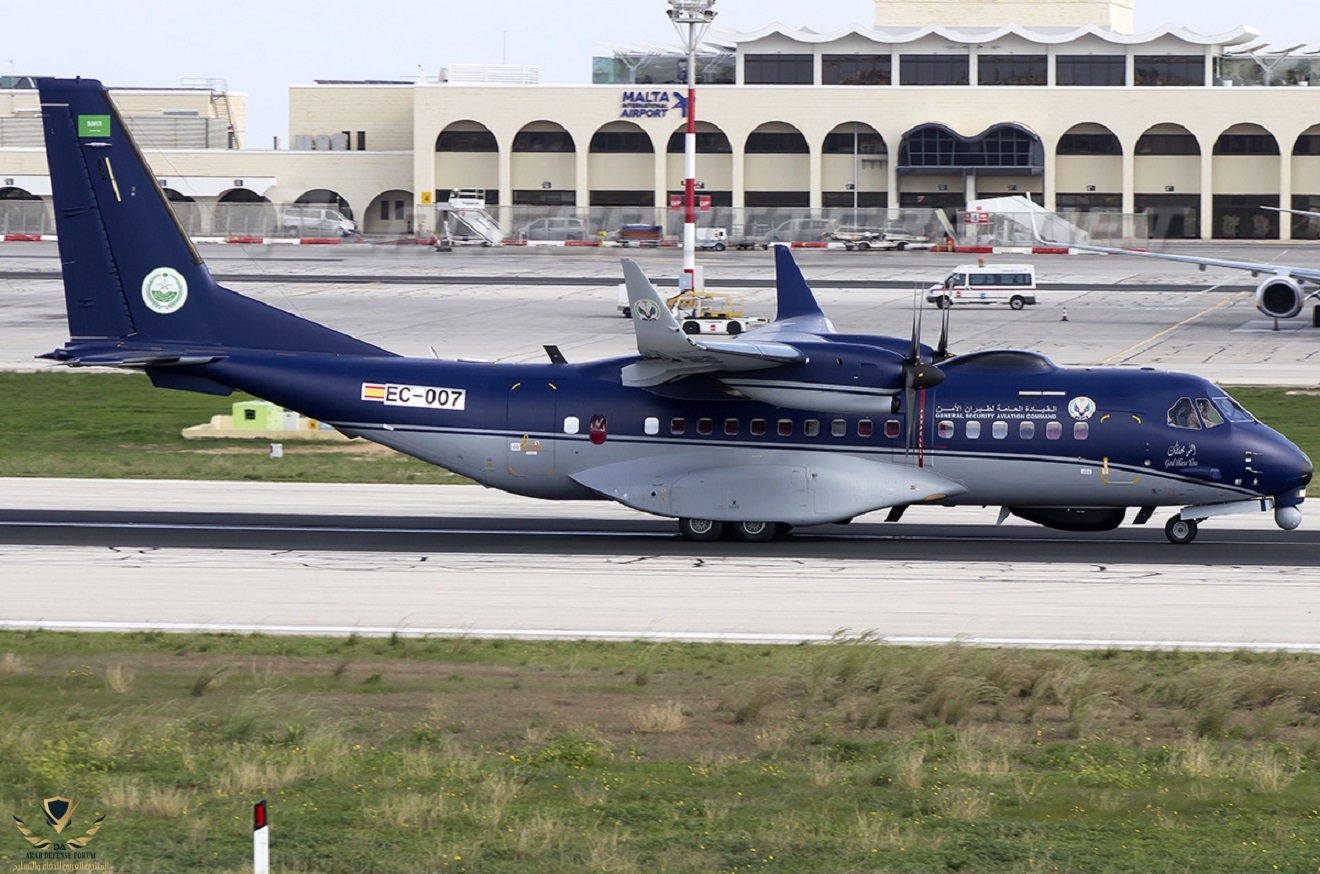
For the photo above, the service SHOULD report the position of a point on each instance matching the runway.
(302, 559)
(460, 560)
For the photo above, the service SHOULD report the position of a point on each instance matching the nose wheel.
(1180, 530)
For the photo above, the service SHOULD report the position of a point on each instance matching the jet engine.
(1279, 297)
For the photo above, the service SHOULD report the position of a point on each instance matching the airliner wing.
(670, 354)
(1309, 274)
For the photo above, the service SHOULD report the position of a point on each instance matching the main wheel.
(1180, 531)
(902, 244)
(863, 246)
(755, 532)
(1017, 303)
(700, 530)
(691, 328)
(733, 328)
(719, 247)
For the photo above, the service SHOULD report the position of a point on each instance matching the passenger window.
(1209, 415)
(892, 429)
(811, 427)
(1183, 415)
(865, 428)
(651, 425)
(758, 427)
(1081, 430)
(839, 428)
(973, 430)
(1053, 430)
(731, 427)
(571, 424)
(945, 429)
(704, 426)
(785, 427)
(677, 425)
(1027, 430)
(999, 430)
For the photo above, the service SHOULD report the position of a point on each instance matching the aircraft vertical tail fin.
(796, 301)
(130, 270)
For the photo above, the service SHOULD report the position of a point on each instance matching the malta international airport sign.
(653, 104)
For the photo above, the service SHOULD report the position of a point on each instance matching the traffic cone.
(1065, 315)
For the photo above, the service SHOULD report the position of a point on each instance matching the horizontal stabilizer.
(739, 485)
(671, 354)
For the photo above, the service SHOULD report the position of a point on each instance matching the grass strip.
(422, 755)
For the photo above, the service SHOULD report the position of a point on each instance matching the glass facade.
(856, 70)
(543, 141)
(777, 69)
(934, 69)
(1089, 144)
(1011, 70)
(1090, 71)
(1246, 144)
(620, 141)
(1160, 71)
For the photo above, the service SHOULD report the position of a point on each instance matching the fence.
(747, 226)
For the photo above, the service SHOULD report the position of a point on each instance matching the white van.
(309, 221)
(1013, 284)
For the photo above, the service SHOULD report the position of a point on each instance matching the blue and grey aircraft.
(792, 424)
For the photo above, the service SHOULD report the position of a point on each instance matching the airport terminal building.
(936, 103)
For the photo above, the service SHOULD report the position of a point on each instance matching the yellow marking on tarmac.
(1169, 330)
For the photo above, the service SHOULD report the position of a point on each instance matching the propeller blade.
(942, 350)
(914, 349)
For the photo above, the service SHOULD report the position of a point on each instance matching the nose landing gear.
(1180, 531)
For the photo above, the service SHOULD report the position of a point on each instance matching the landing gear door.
(531, 425)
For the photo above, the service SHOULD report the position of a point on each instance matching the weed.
(208, 678)
(664, 718)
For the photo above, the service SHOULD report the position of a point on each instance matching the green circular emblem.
(164, 290)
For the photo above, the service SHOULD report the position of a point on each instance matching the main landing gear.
(706, 530)
(1180, 530)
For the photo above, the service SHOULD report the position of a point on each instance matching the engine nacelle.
(1279, 297)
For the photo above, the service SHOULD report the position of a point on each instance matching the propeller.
(942, 352)
(918, 374)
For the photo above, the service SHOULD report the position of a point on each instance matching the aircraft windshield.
(1232, 410)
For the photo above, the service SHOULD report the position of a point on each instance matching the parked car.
(553, 229)
(808, 230)
(316, 221)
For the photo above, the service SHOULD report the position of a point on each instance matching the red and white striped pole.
(260, 839)
(697, 16)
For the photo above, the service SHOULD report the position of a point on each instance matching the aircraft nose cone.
(1307, 469)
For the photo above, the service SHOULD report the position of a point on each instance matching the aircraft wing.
(800, 488)
(1309, 274)
(670, 354)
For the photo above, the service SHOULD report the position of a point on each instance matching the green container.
(258, 416)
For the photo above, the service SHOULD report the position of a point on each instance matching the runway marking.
(992, 531)
(658, 636)
(1172, 328)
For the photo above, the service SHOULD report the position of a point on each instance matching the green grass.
(61, 424)
(421, 755)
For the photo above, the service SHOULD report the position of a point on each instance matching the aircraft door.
(1120, 435)
(531, 422)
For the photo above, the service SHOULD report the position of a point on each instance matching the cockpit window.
(1183, 415)
(1232, 410)
(1209, 415)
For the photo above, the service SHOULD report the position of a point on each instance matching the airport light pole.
(691, 18)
